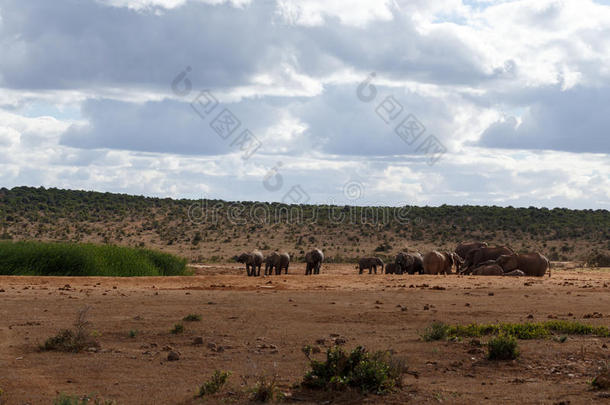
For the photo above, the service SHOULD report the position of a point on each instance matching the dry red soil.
(257, 326)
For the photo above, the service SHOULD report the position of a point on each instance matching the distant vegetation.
(83, 216)
(72, 259)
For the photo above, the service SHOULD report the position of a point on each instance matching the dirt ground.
(257, 326)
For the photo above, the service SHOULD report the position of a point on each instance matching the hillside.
(344, 233)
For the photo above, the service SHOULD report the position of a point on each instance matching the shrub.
(266, 390)
(436, 331)
(192, 318)
(214, 384)
(503, 347)
(370, 372)
(74, 259)
(72, 340)
(133, 333)
(178, 328)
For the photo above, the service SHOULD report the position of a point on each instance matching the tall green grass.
(72, 259)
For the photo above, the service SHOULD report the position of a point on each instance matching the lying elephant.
(391, 268)
(478, 256)
(532, 264)
(277, 261)
(314, 261)
(488, 270)
(371, 264)
(252, 261)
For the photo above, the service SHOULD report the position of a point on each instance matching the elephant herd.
(475, 258)
(276, 262)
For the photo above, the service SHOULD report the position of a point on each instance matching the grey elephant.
(314, 260)
(278, 262)
(253, 261)
(391, 268)
(404, 261)
(417, 265)
(371, 264)
(438, 262)
(476, 256)
(532, 264)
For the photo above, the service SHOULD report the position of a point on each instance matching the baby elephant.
(391, 268)
(370, 263)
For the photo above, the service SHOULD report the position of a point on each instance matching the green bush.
(503, 347)
(73, 259)
(375, 372)
(527, 330)
(214, 384)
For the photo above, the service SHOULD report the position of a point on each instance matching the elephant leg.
(361, 270)
(249, 270)
(286, 269)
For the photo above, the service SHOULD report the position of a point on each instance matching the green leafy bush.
(178, 328)
(503, 347)
(266, 390)
(192, 318)
(375, 372)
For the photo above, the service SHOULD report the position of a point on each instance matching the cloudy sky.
(353, 102)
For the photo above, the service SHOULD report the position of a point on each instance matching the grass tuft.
(72, 340)
(266, 390)
(64, 399)
(178, 328)
(436, 331)
(192, 318)
(214, 384)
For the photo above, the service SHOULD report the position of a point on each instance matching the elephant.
(252, 261)
(532, 264)
(277, 261)
(391, 268)
(488, 270)
(404, 262)
(413, 263)
(476, 256)
(314, 260)
(437, 262)
(463, 248)
(370, 263)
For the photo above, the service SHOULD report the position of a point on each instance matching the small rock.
(530, 316)
(490, 294)
(167, 348)
(173, 356)
(321, 341)
(198, 340)
(316, 349)
(212, 346)
(340, 341)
